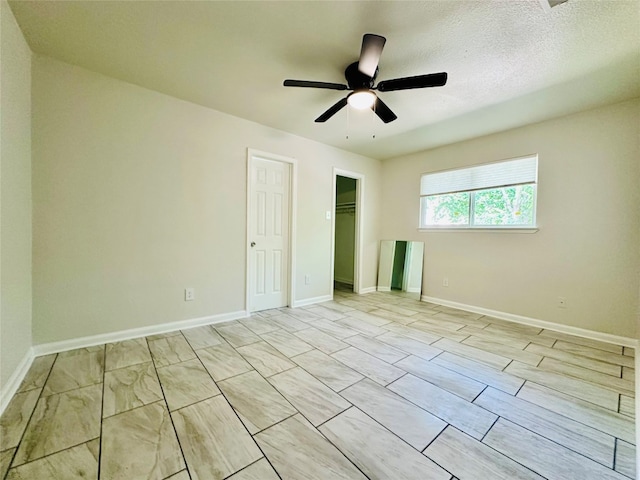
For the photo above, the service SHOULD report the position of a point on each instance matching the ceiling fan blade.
(332, 110)
(419, 81)
(308, 84)
(384, 112)
(372, 46)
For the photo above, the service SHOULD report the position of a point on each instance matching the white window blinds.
(491, 175)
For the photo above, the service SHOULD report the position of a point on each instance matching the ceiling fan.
(360, 78)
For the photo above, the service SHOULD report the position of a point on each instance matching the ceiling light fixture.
(361, 99)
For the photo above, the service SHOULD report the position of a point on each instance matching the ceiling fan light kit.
(361, 99)
(360, 78)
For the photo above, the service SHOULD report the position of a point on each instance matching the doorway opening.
(348, 187)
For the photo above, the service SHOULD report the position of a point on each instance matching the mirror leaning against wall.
(400, 268)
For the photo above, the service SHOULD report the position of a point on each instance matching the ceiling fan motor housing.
(358, 80)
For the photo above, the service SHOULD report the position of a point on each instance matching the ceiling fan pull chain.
(347, 137)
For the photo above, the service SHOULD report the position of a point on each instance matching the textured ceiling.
(510, 63)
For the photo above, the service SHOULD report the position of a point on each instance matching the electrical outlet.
(562, 302)
(445, 282)
(307, 279)
(189, 294)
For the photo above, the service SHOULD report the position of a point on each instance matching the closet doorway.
(348, 188)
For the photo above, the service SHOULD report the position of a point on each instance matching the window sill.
(480, 229)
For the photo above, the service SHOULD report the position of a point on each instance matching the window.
(493, 195)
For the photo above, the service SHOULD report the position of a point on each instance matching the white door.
(268, 234)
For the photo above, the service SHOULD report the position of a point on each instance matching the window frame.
(518, 228)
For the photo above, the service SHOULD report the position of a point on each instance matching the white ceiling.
(509, 62)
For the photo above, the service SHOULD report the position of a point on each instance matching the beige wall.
(15, 195)
(587, 248)
(138, 195)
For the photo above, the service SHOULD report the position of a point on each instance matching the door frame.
(293, 188)
(357, 252)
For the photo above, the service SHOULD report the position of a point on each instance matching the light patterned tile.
(513, 340)
(452, 409)
(38, 373)
(74, 371)
(437, 329)
(328, 370)
(603, 419)
(449, 380)
(576, 436)
(78, 462)
(288, 323)
(586, 342)
(512, 334)
(377, 452)
(222, 361)
(620, 385)
(265, 359)
(482, 356)
(336, 330)
(298, 451)
(410, 345)
(629, 374)
(628, 406)
(214, 441)
(126, 353)
(258, 325)
(626, 459)
(374, 320)
(170, 350)
(392, 316)
(15, 417)
(467, 458)
(572, 386)
(203, 337)
(414, 425)
(140, 443)
(327, 313)
(414, 333)
(237, 334)
(61, 421)
(130, 387)
(567, 357)
(369, 366)
(503, 349)
(313, 399)
(480, 372)
(260, 470)
(6, 457)
(286, 343)
(186, 383)
(589, 352)
(158, 336)
(181, 475)
(321, 340)
(258, 404)
(376, 348)
(551, 459)
(361, 326)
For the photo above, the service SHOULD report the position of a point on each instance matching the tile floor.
(375, 386)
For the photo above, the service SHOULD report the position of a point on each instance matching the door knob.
(253, 244)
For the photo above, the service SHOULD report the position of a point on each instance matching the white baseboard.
(382, 289)
(11, 387)
(534, 322)
(311, 301)
(367, 290)
(348, 281)
(414, 290)
(82, 342)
